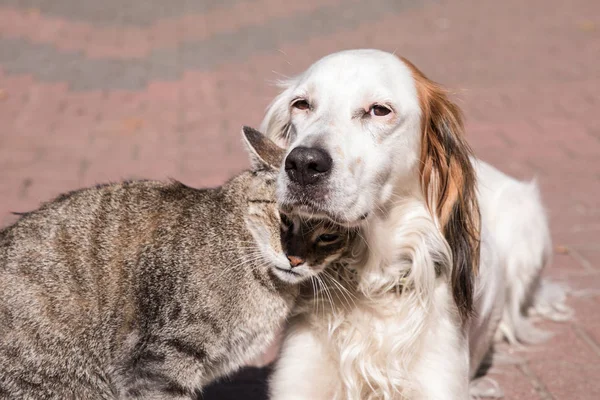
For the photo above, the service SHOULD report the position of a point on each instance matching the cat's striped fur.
(142, 289)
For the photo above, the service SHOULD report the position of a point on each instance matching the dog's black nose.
(307, 165)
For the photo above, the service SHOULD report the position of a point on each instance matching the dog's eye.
(301, 104)
(328, 238)
(379, 110)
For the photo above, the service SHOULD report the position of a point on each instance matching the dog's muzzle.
(306, 193)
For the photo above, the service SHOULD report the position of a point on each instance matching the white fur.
(344, 351)
(382, 344)
(513, 212)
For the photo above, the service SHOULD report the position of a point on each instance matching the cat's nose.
(295, 261)
(308, 165)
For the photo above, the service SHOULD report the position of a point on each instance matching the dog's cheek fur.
(449, 186)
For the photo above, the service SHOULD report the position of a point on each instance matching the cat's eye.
(328, 238)
(286, 222)
(301, 104)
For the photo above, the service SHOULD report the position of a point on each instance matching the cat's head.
(296, 249)
(311, 245)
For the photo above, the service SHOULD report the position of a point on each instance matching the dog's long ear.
(277, 121)
(448, 181)
(264, 154)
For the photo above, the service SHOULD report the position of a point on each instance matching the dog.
(454, 247)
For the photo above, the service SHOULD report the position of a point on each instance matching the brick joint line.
(537, 384)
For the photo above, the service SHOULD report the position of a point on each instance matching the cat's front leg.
(157, 395)
(167, 369)
(155, 386)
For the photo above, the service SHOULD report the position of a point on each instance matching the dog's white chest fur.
(395, 334)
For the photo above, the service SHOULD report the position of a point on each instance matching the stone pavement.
(95, 91)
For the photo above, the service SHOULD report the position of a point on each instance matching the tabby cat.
(152, 290)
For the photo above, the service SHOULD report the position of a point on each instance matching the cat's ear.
(264, 153)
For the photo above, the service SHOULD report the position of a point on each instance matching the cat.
(152, 290)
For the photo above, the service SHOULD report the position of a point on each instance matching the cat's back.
(67, 273)
(80, 241)
(86, 220)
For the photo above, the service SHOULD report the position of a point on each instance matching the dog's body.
(389, 338)
(455, 248)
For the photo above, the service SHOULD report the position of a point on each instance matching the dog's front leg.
(304, 370)
(442, 371)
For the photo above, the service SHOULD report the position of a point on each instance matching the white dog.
(454, 247)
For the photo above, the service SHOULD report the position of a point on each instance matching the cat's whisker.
(328, 295)
(364, 240)
(318, 294)
(338, 294)
(247, 259)
(348, 296)
(321, 294)
(314, 295)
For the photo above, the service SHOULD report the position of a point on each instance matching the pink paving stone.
(587, 319)
(42, 187)
(15, 85)
(74, 33)
(514, 383)
(157, 162)
(574, 138)
(40, 112)
(505, 76)
(9, 22)
(576, 234)
(50, 30)
(565, 345)
(22, 19)
(201, 90)
(591, 254)
(165, 33)
(165, 93)
(482, 135)
(572, 237)
(569, 381)
(563, 223)
(563, 263)
(16, 158)
(107, 44)
(15, 24)
(136, 41)
(588, 282)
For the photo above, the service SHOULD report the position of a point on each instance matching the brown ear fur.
(449, 184)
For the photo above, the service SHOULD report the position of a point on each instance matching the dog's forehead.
(358, 73)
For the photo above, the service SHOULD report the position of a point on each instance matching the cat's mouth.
(291, 276)
(288, 271)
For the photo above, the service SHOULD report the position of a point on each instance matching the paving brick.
(567, 381)
(92, 93)
(514, 383)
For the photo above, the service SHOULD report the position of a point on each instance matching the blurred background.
(94, 91)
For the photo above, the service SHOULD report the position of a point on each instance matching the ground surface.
(93, 91)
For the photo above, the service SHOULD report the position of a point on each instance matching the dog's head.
(363, 127)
